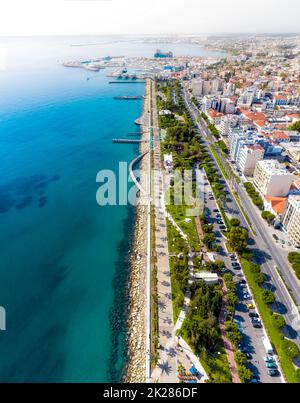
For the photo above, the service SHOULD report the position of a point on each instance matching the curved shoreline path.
(140, 324)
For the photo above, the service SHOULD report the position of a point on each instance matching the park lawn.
(217, 367)
(189, 228)
(176, 246)
(274, 334)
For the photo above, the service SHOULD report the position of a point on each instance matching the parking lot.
(250, 328)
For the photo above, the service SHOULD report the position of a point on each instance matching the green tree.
(295, 126)
(259, 278)
(278, 321)
(268, 297)
(208, 239)
(238, 239)
(290, 348)
(235, 222)
(245, 374)
(232, 299)
(255, 268)
(240, 358)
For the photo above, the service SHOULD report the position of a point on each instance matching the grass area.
(178, 269)
(273, 332)
(189, 228)
(243, 211)
(217, 158)
(294, 259)
(216, 367)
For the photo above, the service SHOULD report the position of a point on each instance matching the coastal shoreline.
(135, 369)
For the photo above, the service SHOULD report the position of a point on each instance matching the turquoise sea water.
(63, 259)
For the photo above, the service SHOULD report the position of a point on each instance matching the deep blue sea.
(63, 259)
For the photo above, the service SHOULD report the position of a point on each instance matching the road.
(264, 251)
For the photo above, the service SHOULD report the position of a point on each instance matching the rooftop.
(278, 203)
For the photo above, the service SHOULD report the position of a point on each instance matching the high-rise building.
(291, 220)
(197, 87)
(206, 88)
(272, 179)
(248, 157)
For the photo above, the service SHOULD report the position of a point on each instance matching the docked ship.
(163, 55)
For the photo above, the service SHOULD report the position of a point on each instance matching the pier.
(129, 98)
(128, 141)
(127, 82)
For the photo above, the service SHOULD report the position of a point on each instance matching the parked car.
(255, 320)
(243, 282)
(269, 359)
(253, 315)
(222, 228)
(250, 306)
(257, 325)
(248, 356)
(273, 372)
(246, 295)
(271, 365)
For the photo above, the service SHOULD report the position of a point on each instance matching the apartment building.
(291, 220)
(197, 87)
(272, 179)
(227, 122)
(248, 157)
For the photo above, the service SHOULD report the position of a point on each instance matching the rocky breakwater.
(135, 371)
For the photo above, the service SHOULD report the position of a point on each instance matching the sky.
(93, 17)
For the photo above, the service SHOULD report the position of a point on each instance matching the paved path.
(164, 291)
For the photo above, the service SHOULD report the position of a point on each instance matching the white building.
(217, 86)
(247, 98)
(206, 88)
(248, 157)
(272, 179)
(226, 123)
(291, 220)
(209, 278)
(197, 88)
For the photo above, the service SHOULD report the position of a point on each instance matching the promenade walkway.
(173, 351)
